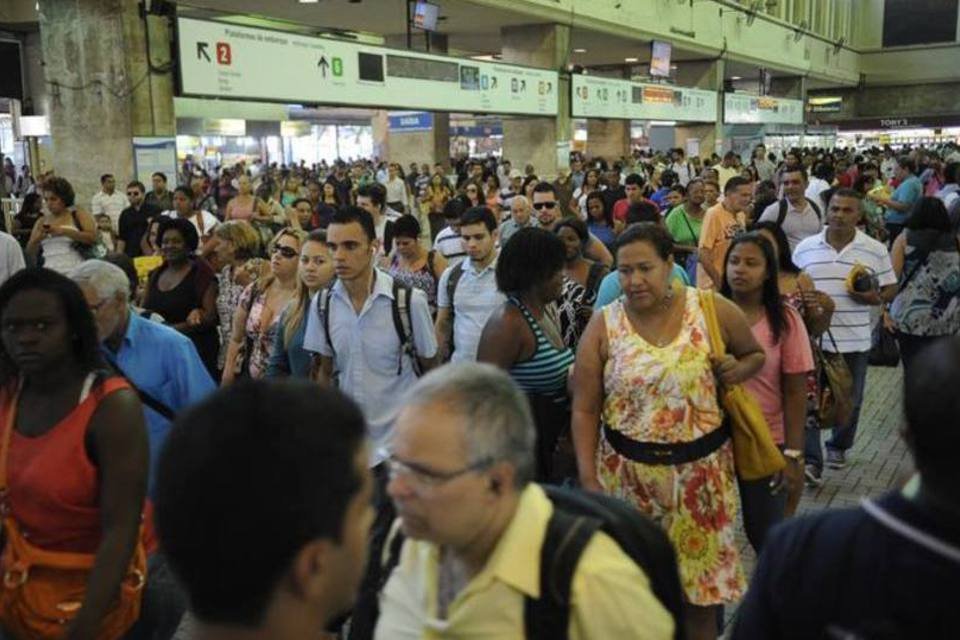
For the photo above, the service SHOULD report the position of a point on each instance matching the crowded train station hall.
(479, 319)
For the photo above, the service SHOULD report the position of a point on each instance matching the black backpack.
(402, 323)
(782, 213)
(577, 515)
(456, 272)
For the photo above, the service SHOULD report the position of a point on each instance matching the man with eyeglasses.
(546, 207)
(135, 220)
(460, 466)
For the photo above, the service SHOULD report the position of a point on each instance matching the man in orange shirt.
(722, 222)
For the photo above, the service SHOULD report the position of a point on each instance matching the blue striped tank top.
(546, 370)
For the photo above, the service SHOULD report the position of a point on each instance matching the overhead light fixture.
(631, 59)
(309, 1)
(736, 78)
(673, 66)
(579, 50)
(662, 123)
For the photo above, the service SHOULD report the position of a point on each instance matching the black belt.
(664, 453)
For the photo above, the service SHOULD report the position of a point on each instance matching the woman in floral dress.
(644, 369)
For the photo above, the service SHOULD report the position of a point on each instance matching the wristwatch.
(794, 455)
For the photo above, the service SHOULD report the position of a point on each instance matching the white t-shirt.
(203, 223)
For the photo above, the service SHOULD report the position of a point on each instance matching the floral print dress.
(259, 339)
(669, 395)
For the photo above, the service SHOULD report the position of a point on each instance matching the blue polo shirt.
(908, 192)
(610, 288)
(164, 363)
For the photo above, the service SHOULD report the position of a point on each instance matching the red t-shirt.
(621, 206)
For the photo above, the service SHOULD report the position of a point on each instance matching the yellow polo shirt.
(611, 596)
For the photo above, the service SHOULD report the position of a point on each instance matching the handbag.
(835, 401)
(884, 351)
(95, 251)
(43, 590)
(754, 452)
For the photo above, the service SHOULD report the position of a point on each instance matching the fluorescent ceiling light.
(579, 50)
(662, 123)
(736, 78)
(631, 59)
(309, 1)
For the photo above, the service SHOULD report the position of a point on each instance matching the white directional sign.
(741, 108)
(595, 97)
(230, 61)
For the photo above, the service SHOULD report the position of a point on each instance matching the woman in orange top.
(76, 463)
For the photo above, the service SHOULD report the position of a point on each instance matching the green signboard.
(596, 97)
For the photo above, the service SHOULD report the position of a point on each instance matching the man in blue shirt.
(908, 192)
(160, 362)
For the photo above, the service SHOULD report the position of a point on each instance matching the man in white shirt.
(801, 217)
(828, 258)
(726, 169)
(462, 316)
(396, 189)
(109, 202)
(680, 166)
(448, 242)
(11, 256)
(820, 181)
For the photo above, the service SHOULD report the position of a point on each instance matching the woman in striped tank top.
(523, 337)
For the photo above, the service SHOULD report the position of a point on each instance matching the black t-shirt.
(133, 224)
(853, 573)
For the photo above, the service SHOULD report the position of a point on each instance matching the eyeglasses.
(544, 205)
(425, 477)
(286, 252)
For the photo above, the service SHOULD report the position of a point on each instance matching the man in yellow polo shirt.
(461, 463)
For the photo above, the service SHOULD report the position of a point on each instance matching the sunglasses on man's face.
(544, 205)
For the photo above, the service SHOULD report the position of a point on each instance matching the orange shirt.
(720, 227)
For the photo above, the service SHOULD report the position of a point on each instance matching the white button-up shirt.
(850, 325)
(366, 350)
(474, 301)
(112, 205)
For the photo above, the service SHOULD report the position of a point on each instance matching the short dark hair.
(375, 191)
(61, 188)
(798, 169)
(406, 226)
(735, 183)
(577, 225)
(931, 405)
(299, 200)
(929, 213)
(669, 178)
(353, 214)
(454, 208)
(531, 256)
(545, 187)
(951, 173)
(86, 344)
(907, 163)
(785, 262)
(188, 194)
(105, 177)
(650, 232)
(642, 212)
(159, 174)
(824, 171)
(634, 179)
(184, 226)
(138, 185)
(305, 480)
(479, 215)
(844, 193)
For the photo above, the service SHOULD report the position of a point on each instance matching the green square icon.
(337, 67)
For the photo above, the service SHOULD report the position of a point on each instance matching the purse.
(835, 402)
(884, 351)
(95, 251)
(241, 366)
(754, 452)
(43, 590)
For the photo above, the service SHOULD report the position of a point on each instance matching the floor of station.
(878, 462)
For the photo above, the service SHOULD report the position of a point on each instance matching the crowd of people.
(503, 363)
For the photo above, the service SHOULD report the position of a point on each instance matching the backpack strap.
(816, 208)
(323, 308)
(403, 323)
(566, 537)
(431, 258)
(782, 213)
(593, 277)
(455, 274)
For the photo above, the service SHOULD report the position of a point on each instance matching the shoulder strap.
(567, 535)
(922, 260)
(686, 221)
(431, 257)
(782, 214)
(323, 308)
(455, 274)
(593, 277)
(709, 307)
(403, 323)
(145, 397)
(816, 209)
(7, 434)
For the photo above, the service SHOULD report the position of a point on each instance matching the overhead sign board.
(230, 61)
(595, 97)
(748, 109)
(410, 121)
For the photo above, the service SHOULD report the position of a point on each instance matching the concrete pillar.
(101, 92)
(534, 140)
(609, 139)
(703, 75)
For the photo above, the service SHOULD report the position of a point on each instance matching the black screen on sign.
(371, 66)
(11, 80)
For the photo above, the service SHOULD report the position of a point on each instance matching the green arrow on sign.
(337, 67)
